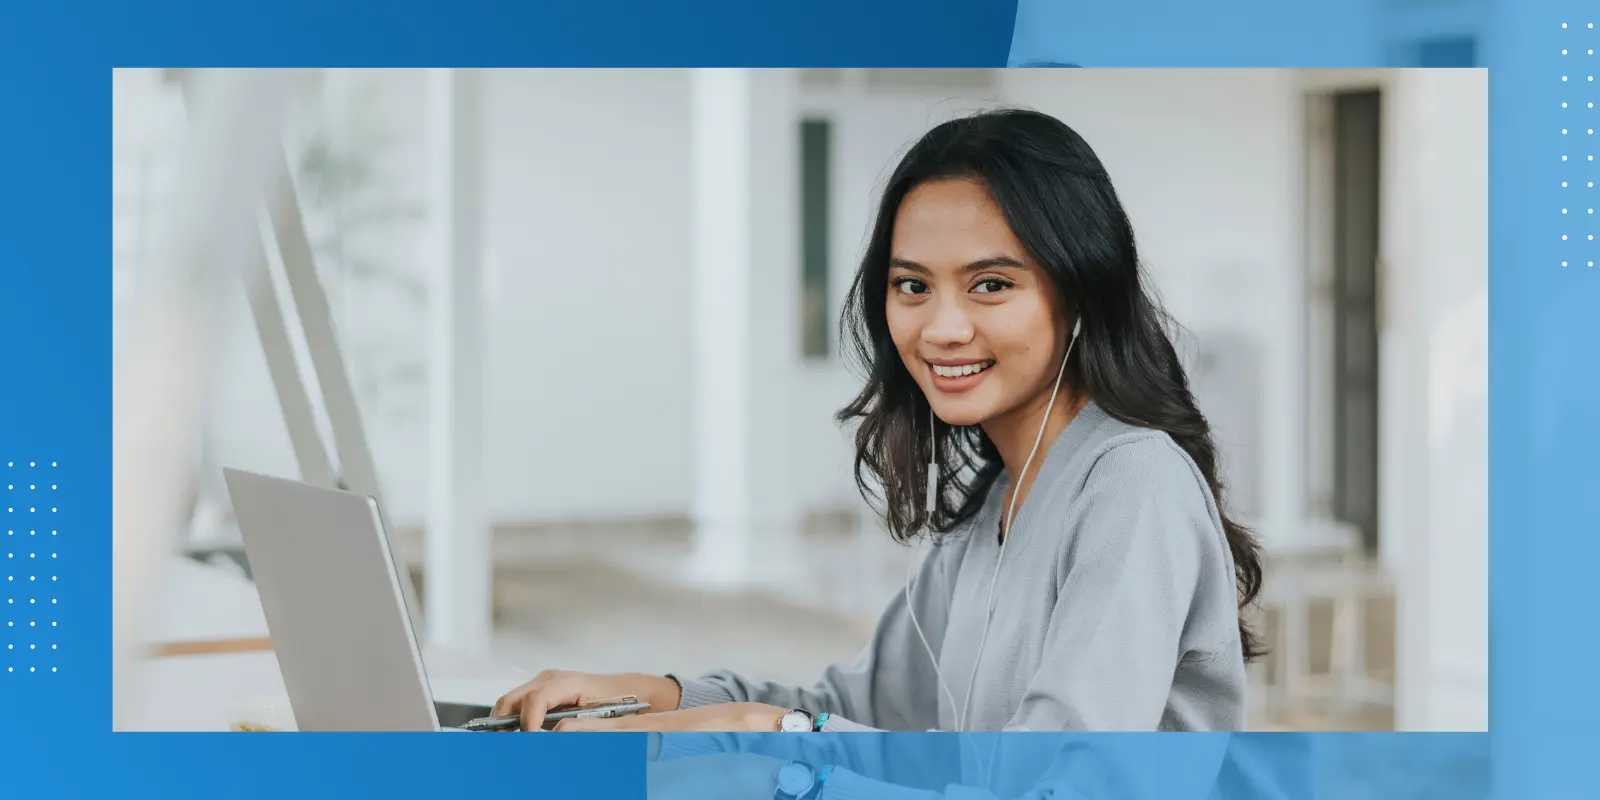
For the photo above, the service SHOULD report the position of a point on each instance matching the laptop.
(331, 593)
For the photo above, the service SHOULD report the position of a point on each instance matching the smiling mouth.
(961, 371)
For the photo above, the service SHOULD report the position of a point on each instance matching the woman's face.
(978, 324)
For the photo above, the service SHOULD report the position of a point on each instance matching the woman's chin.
(960, 415)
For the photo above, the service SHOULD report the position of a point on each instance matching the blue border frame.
(55, 306)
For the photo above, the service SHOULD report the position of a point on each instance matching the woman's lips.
(956, 378)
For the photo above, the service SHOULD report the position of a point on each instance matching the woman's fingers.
(509, 703)
(563, 690)
(512, 701)
(555, 689)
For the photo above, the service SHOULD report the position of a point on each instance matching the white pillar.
(1440, 264)
(719, 252)
(746, 347)
(459, 576)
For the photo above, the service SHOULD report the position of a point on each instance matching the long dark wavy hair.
(1060, 205)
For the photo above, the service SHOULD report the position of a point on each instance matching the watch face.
(794, 779)
(794, 722)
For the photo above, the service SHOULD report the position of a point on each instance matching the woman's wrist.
(665, 693)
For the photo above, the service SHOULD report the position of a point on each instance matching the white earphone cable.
(933, 488)
(911, 609)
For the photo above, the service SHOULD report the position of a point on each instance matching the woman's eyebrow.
(992, 262)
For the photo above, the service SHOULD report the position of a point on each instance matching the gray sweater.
(1116, 609)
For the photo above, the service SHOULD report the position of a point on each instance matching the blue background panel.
(55, 401)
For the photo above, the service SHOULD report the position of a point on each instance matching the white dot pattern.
(1577, 71)
(31, 606)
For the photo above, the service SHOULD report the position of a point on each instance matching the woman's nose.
(948, 325)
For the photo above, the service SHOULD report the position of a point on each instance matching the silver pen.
(514, 721)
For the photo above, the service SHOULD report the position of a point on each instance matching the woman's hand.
(553, 688)
(715, 718)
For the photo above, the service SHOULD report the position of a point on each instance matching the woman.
(1084, 574)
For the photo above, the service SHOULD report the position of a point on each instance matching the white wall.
(587, 376)
(1436, 235)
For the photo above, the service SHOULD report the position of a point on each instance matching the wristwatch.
(796, 720)
(797, 781)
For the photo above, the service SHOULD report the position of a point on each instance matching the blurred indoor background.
(547, 276)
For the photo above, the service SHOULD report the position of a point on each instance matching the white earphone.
(1011, 515)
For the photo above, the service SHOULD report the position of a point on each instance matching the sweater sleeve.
(1114, 637)
(876, 691)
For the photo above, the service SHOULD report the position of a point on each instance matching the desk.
(213, 692)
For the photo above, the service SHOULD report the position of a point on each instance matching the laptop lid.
(334, 606)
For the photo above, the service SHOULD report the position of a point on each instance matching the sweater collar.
(1058, 454)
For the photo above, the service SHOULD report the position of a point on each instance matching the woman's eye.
(990, 285)
(910, 286)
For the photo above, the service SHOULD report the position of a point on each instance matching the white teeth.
(961, 371)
